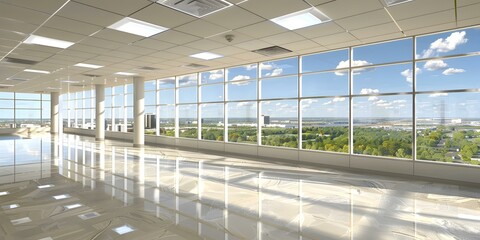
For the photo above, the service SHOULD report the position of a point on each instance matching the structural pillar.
(54, 112)
(99, 112)
(138, 112)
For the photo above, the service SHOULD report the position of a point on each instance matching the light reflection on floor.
(161, 193)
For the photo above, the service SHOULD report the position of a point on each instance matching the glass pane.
(460, 41)
(448, 127)
(26, 118)
(150, 98)
(108, 101)
(382, 126)
(242, 122)
(129, 88)
(279, 123)
(119, 90)
(394, 51)
(325, 84)
(6, 95)
(242, 72)
(187, 80)
(212, 121)
(325, 61)
(118, 100)
(242, 90)
(187, 121)
(28, 104)
(215, 76)
(448, 74)
(325, 124)
(129, 112)
(187, 95)
(166, 83)
(284, 87)
(385, 79)
(212, 93)
(167, 121)
(45, 97)
(129, 100)
(32, 96)
(150, 120)
(7, 119)
(6, 104)
(279, 67)
(150, 85)
(167, 96)
(108, 91)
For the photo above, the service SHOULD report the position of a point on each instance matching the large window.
(119, 108)
(212, 107)
(24, 110)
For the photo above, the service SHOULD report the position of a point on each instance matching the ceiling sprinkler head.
(229, 37)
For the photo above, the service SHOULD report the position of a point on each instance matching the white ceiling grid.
(85, 23)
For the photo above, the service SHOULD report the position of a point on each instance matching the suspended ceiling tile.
(88, 14)
(153, 44)
(283, 38)
(182, 50)
(250, 56)
(233, 17)
(346, 8)
(228, 50)
(468, 12)
(123, 7)
(59, 34)
(365, 20)
(175, 37)
(382, 37)
(11, 35)
(318, 2)
(301, 45)
(72, 25)
(253, 45)
(71, 52)
(123, 55)
(377, 30)
(428, 20)
(262, 29)
(204, 44)
(319, 30)
(148, 60)
(166, 55)
(16, 26)
(312, 50)
(335, 46)
(98, 42)
(237, 38)
(201, 28)
(22, 14)
(419, 8)
(274, 8)
(8, 43)
(39, 48)
(468, 22)
(430, 29)
(89, 49)
(163, 16)
(104, 60)
(136, 50)
(117, 36)
(28, 52)
(48, 7)
(335, 38)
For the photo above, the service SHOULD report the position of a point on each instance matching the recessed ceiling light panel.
(36, 71)
(137, 27)
(86, 65)
(123, 229)
(125, 73)
(196, 8)
(50, 42)
(395, 2)
(301, 19)
(206, 55)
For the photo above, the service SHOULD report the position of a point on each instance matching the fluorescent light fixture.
(11, 206)
(301, 19)
(63, 196)
(6, 85)
(21, 220)
(77, 205)
(4, 193)
(206, 55)
(70, 81)
(88, 215)
(36, 71)
(123, 229)
(137, 27)
(125, 73)
(45, 186)
(50, 42)
(86, 65)
(47, 238)
(395, 2)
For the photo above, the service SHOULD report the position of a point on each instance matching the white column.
(99, 112)
(54, 112)
(138, 112)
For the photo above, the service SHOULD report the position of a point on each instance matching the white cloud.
(334, 100)
(438, 95)
(433, 65)
(372, 98)
(251, 67)
(264, 66)
(408, 74)
(241, 83)
(445, 45)
(399, 101)
(240, 77)
(369, 91)
(451, 71)
(275, 72)
(355, 63)
(214, 75)
(308, 102)
(245, 104)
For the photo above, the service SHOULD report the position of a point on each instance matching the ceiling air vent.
(18, 79)
(148, 68)
(91, 75)
(78, 85)
(395, 2)
(271, 51)
(195, 66)
(197, 8)
(19, 61)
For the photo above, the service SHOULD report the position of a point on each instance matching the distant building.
(264, 120)
(150, 121)
(456, 121)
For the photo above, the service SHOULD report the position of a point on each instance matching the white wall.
(438, 170)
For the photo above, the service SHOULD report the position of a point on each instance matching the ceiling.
(85, 23)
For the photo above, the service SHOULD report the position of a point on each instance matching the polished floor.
(71, 187)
